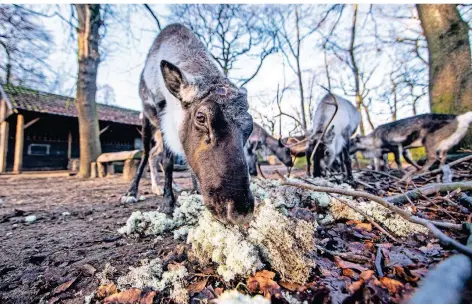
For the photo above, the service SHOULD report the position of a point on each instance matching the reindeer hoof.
(129, 199)
(156, 189)
(166, 209)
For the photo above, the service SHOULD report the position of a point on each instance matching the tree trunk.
(355, 70)
(450, 72)
(299, 70)
(89, 58)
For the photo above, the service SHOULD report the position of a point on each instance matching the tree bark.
(355, 70)
(299, 70)
(89, 58)
(450, 72)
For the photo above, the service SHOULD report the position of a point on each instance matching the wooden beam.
(119, 156)
(31, 122)
(19, 141)
(104, 129)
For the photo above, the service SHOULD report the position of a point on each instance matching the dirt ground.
(54, 259)
(76, 225)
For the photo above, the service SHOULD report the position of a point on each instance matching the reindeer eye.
(200, 118)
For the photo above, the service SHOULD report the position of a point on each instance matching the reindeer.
(202, 116)
(260, 138)
(436, 132)
(334, 122)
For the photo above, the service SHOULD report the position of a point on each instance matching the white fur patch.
(463, 122)
(173, 114)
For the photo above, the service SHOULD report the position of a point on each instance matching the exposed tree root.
(429, 190)
(430, 225)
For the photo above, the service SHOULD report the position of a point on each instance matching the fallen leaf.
(263, 281)
(63, 287)
(400, 272)
(106, 290)
(392, 285)
(364, 226)
(355, 286)
(218, 291)
(366, 275)
(292, 286)
(348, 265)
(349, 273)
(198, 285)
(130, 296)
(148, 298)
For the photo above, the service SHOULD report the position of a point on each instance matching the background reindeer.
(261, 138)
(438, 133)
(341, 119)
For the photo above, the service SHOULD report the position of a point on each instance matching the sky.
(126, 50)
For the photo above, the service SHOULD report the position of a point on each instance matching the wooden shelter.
(40, 131)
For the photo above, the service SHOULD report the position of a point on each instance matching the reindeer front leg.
(154, 164)
(132, 194)
(169, 199)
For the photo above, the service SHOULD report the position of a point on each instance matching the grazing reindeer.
(202, 116)
(258, 138)
(438, 133)
(339, 118)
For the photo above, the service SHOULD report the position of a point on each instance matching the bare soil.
(38, 257)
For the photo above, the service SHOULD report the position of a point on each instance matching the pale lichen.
(286, 243)
(187, 212)
(235, 297)
(147, 275)
(105, 275)
(211, 240)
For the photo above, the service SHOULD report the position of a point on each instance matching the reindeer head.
(215, 127)
(361, 143)
(283, 153)
(250, 153)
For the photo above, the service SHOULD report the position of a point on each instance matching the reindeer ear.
(173, 78)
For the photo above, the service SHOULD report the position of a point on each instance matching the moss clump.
(211, 240)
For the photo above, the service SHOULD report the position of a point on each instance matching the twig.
(345, 255)
(429, 190)
(378, 261)
(369, 219)
(379, 172)
(153, 16)
(438, 170)
(430, 225)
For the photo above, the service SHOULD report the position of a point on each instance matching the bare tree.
(231, 32)
(24, 46)
(88, 38)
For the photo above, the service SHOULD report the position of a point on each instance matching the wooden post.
(129, 170)
(3, 137)
(69, 146)
(101, 170)
(3, 146)
(19, 140)
(93, 170)
(110, 169)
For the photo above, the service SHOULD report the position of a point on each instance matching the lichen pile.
(276, 236)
